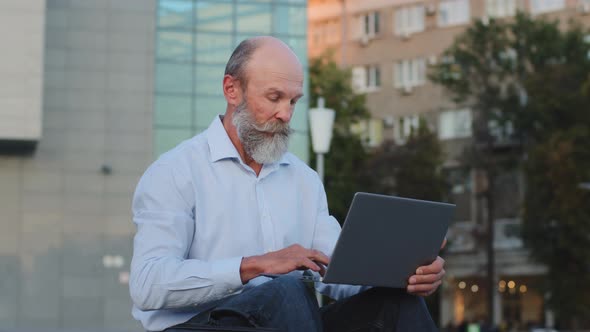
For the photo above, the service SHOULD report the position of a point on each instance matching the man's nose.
(285, 113)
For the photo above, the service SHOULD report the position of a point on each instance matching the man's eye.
(273, 98)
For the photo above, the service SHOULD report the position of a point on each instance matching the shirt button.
(229, 291)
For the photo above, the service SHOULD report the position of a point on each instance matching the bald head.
(262, 52)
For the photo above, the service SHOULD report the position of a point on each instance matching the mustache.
(274, 127)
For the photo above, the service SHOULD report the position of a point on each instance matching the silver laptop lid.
(386, 238)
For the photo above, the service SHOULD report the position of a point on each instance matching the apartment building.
(390, 46)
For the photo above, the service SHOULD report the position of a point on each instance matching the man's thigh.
(378, 309)
(282, 304)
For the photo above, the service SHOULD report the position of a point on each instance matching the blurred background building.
(389, 46)
(91, 91)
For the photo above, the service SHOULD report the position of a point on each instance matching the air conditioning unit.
(584, 7)
(430, 9)
(364, 40)
(407, 90)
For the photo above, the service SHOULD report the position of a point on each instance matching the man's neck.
(233, 136)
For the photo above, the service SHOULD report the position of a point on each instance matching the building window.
(369, 24)
(409, 20)
(404, 127)
(500, 8)
(453, 12)
(455, 124)
(544, 6)
(409, 73)
(370, 131)
(366, 78)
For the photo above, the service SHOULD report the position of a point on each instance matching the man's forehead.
(268, 74)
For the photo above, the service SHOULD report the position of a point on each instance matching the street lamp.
(321, 121)
(584, 185)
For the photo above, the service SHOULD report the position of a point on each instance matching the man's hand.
(283, 261)
(429, 277)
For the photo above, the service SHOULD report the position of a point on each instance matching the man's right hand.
(294, 257)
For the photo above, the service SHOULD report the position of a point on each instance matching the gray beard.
(265, 143)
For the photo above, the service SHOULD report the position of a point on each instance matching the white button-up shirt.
(199, 209)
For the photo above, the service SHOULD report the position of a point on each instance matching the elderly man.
(224, 210)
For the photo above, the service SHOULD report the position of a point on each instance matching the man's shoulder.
(184, 153)
(185, 150)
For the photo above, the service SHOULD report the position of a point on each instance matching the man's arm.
(161, 275)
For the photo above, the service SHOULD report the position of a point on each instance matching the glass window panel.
(173, 78)
(175, 14)
(299, 118)
(173, 111)
(254, 18)
(290, 20)
(166, 139)
(299, 46)
(299, 145)
(214, 16)
(207, 107)
(174, 46)
(208, 79)
(213, 48)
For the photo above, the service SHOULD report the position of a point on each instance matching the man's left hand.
(429, 277)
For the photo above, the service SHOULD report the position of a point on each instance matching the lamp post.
(321, 121)
(584, 185)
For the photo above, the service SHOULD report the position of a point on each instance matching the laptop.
(386, 238)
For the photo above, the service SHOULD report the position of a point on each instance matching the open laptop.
(386, 238)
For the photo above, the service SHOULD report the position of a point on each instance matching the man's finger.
(434, 268)
(318, 256)
(423, 288)
(426, 278)
(306, 263)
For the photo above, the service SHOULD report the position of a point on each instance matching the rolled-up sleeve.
(327, 231)
(162, 276)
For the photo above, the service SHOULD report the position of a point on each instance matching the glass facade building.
(194, 40)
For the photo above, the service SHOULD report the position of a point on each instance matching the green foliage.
(557, 217)
(334, 84)
(533, 75)
(350, 167)
(409, 170)
(347, 154)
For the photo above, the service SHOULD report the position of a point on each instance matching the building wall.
(194, 42)
(66, 238)
(21, 68)
(335, 24)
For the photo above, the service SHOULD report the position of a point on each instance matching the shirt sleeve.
(162, 276)
(327, 231)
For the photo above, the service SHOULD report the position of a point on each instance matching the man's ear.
(232, 90)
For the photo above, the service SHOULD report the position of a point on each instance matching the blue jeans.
(287, 304)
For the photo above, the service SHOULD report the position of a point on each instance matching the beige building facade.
(389, 45)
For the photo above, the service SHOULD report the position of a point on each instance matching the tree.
(557, 219)
(347, 153)
(410, 170)
(522, 80)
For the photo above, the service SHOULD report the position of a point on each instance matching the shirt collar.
(221, 147)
